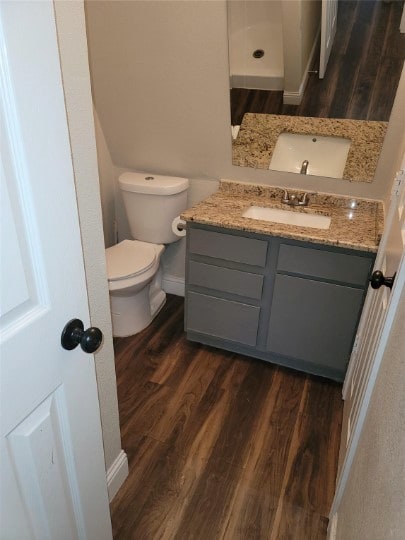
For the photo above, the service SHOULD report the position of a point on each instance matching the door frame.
(392, 308)
(73, 54)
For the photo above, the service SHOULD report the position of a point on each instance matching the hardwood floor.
(362, 75)
(220, 446)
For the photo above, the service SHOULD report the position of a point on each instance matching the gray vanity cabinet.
(313, 321)
(317, 299)
(289, 302)
(224, 285)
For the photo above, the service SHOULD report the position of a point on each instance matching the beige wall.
(75, 72)
(373, 504)
(291, 45)
(394, 145)
(310, 25)
(156, 69)
(106, 174)
(301, 22)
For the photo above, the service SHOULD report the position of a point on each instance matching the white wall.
(373, 504)
(76, 83)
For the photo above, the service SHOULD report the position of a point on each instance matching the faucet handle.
(304, 200)
(286, 197)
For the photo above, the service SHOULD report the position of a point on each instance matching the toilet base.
(132, 314)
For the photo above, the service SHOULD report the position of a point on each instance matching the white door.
(328, 31)
(53, 483)
(374, 328)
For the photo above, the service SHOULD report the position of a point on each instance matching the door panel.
(39, 453)
(53, 482)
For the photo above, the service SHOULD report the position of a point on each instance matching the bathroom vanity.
(259, 135)
(286, 294)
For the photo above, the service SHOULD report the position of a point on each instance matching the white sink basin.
(326, 155)
(288, 217)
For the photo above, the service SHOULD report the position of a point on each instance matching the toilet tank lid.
(156, 184)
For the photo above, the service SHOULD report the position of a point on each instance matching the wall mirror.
(275, 51)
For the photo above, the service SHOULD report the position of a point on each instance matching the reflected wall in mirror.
(274, 53)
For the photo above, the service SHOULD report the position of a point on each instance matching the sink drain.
(258, 53)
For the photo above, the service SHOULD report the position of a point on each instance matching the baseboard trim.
(173, 285)
(293, 98)
(332, 527)
(257, 82)
(116, 474)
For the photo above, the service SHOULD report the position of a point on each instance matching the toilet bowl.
(134, 282)
(151, 205)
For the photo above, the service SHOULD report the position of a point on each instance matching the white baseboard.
(116, 474)
(332, 527)
(257, 82)
(295, 98)
(173, 285)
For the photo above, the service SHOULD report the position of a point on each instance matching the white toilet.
(133, 266)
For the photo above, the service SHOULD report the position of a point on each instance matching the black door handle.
(377, 279)
(74, 334)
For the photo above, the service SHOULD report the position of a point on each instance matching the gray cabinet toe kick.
(292, 303)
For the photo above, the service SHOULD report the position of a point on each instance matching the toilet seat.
(128, 259)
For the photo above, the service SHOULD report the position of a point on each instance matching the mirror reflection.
(335, 59)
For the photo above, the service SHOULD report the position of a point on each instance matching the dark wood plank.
(220, 446)
(262, 475)
(298, 522)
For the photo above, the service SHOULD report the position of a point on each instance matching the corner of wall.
(107, 183)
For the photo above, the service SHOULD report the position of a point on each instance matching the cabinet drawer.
(313, 321)
(225, 280)
(224, 319)
(226, 246)
(329, 265)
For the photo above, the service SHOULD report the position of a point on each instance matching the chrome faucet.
(304, 167)
(294, 200)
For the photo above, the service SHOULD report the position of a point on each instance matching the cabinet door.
(221, 318)
(321, 263)
(227, 247)
(313, 321)
(225, 280)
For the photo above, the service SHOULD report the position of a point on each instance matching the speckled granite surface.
(356, 223)
(259, 132)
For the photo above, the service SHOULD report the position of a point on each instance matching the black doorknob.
(377, 279)
(74, 334)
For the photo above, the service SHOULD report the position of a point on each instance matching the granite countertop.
(355, 224)
(258, 135)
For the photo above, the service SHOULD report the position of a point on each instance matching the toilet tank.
(151, 203)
